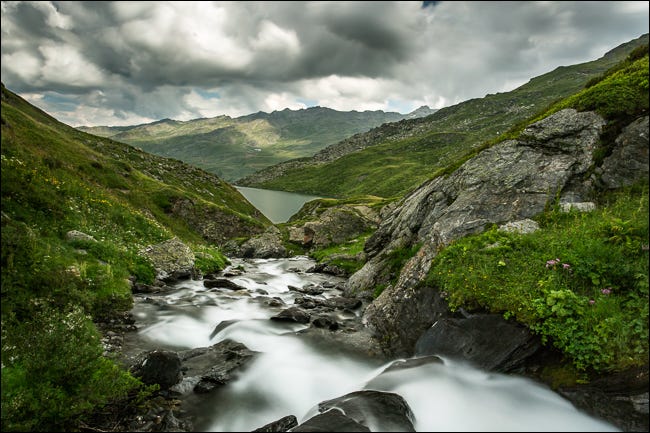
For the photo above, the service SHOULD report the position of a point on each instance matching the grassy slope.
(233, 148)
(55, 179)
(412, 152)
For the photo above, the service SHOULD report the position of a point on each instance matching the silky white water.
(293, 373)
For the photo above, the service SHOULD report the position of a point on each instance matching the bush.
(53, 373)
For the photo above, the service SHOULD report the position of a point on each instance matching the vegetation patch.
(581, 282)
(347, 256)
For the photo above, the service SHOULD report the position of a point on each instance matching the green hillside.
(56, 179)
(399, 156)
(235, 147)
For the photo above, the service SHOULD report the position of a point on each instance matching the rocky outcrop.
(172, 259)
(265, 246)
(510, 181)
(629, 159)
(214, 224)
(335, 225)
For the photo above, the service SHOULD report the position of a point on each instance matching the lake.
(278, 206)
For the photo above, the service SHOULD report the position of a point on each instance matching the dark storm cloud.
(147, 60)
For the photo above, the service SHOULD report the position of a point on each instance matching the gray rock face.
(629, 160)
(172, 259)
(265, 246)
(521, 226)
(510, 181)
(486, 340)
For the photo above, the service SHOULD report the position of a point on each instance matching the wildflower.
(606, 291)
(566, 266)
(592, 302)
(550, 263)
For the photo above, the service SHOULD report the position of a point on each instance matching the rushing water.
(292, 374)
(278, 206)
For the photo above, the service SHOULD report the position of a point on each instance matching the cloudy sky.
(122, 63)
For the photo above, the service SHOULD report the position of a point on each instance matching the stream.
(294, 371)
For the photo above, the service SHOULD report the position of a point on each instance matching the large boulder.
(365, 410)
(264, 246)
(207, 368)
(160, 367)
(331, 421)
(172, 259)
(511, 181)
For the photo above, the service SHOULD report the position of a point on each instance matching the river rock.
(374, 410)
(325, 322)
(331, 421)
(485, 340)
(404, 364)
(160, 367)
(213, 366)
(292, 314)
(281, 425)
(222, 283)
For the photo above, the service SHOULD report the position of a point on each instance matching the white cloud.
(22, 64)
(65, 65)
(276, 39)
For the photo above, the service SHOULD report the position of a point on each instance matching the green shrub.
(53, 374)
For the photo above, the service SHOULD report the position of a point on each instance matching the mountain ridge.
(234, 147)
(401, 155)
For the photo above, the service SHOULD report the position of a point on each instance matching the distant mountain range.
(393, 158)
(235, 147)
